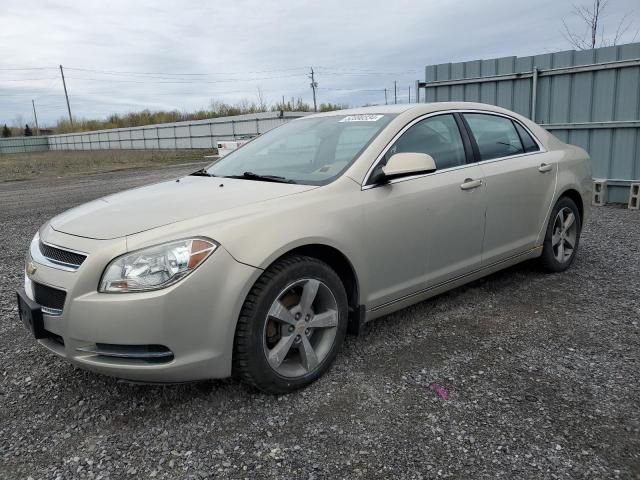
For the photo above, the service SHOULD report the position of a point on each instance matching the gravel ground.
(542, 373)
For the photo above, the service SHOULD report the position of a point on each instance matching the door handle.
(543, 168)
(470, 184)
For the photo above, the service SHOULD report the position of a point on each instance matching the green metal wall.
(588, 98)
(24, 144)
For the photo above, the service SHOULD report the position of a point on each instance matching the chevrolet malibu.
(258, 265)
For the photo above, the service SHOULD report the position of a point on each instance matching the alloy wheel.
(565, 230)
(301, 327)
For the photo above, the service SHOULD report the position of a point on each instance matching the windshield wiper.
(263, 178)
(202, 173)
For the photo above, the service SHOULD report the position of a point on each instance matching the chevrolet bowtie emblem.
(31, 268)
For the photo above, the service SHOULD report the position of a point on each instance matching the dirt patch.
(21, 166)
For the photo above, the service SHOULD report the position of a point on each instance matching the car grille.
(58, 255)
(50, 299)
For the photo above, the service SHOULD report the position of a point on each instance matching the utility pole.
(409, 93)
(64, 84)
(314, 85)
(395, 91)
(35, 116)
(385, 96)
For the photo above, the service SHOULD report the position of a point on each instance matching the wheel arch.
(574, 195)
(338, 261)
(571, 191)
(343, 267)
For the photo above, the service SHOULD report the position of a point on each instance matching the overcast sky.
(124, 55)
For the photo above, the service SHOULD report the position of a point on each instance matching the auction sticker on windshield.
(362, 118)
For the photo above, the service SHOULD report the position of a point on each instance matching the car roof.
(418, 108)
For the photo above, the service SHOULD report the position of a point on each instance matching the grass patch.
(22, 166)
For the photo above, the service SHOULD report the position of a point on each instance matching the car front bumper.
(181, 333)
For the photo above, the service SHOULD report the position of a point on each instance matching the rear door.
(520, 183)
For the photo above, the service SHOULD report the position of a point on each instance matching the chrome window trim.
(422, 175)
(38, 257)
(365, 186)
(541, 148)
(499, 159)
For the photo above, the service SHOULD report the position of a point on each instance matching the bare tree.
(262, 102)
(18, 121)
(593, 34)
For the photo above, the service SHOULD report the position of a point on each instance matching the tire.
(557, 253)
(291, 326)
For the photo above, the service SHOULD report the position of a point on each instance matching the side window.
(496, 136)
(437, 136)
(529, 143)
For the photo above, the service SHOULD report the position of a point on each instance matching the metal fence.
(180, 135)
(24, 144)
(197, 134)
(589, 98)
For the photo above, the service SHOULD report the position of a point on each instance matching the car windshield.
(312, 151)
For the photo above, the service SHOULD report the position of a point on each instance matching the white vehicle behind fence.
(227, 147)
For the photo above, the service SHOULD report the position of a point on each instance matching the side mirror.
(408, 163)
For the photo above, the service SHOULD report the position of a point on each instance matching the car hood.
(144, 208)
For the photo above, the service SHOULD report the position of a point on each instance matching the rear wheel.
(291, 326)
(562, 236)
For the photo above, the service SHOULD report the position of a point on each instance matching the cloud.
(231, 47)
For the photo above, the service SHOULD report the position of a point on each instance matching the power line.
(28, 95)
(27, 79)
(362, 69)
(27, 68)
(330, 70)
(112, 72)
(352, 89)
(183, 81)
(91, 90)
(363, 74)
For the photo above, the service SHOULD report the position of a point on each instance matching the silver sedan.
(258, 265)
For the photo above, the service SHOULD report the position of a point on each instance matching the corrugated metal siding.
(23, 144)
(199, 134)
(567, 104)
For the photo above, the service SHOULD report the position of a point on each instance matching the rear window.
(528, 142)
(496, 136)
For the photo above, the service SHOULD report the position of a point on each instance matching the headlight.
(155, 267)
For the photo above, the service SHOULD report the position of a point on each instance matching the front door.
(426, 229)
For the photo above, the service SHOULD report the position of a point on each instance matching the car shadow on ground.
(379, 329)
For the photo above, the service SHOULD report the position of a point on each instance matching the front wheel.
(562, 236)
(291, 326)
